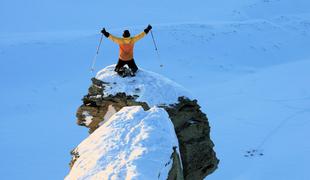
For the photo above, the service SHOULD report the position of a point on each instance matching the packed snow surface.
(132, 144)
(149, 86)
(263, 132)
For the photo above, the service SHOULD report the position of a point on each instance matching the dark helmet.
(126, 34)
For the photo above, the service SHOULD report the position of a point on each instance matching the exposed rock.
(96, 105)
(191, 126)
(175, 172)
(74, 155)
(193, 132)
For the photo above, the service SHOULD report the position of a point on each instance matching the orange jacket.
(126, 45)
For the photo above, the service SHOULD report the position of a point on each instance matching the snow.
(109, 113)
(88, 118)
(132, 144)
(271, 117)
(216, 49)
(151, 87)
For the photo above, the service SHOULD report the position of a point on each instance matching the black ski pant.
(131, 64)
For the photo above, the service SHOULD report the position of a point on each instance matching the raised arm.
(110, 36)
(141, 35)
(115, 39)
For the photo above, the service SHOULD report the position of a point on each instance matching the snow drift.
(132, 144)
(149, 87)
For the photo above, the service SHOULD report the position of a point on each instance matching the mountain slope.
(266, 112)
(42, 73)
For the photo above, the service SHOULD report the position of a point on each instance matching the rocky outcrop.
(193, 132)
(96, 106)
(190, 123)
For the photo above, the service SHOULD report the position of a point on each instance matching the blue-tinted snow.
(222, 52)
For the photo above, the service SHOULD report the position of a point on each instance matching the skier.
(126, 46)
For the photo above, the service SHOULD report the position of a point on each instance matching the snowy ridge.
(151, 87)
(132, 144)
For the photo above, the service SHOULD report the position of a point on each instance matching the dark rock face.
(193, 132)
(175, 172)
(191, 126)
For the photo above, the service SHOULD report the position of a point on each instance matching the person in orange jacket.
(126, 46)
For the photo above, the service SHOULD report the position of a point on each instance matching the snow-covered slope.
(150, 87)
(132, 144)
(207, 45)
(267, 112)
(45, 77)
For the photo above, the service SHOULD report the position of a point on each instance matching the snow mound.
(151, 88)
(132, 144)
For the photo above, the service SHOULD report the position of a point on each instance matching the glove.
(105, 33)
(146, 30)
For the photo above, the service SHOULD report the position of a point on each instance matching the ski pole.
(156, 49)
(97, 52)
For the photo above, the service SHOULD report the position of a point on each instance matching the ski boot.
(122, 72)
